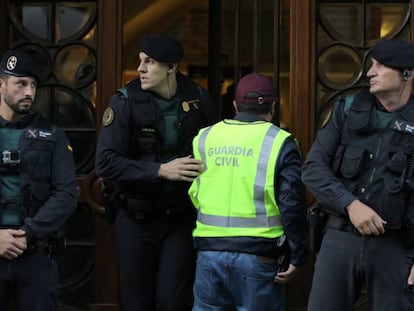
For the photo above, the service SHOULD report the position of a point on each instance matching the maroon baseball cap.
(255, 88)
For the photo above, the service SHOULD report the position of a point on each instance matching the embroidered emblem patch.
(186, 106)
(11, 62)
(108, 116)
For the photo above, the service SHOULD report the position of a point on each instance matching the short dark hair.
(256, 109)
(4, 76)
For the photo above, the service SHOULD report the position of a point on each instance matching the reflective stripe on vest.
(272, 141)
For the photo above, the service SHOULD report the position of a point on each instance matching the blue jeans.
(227, 281)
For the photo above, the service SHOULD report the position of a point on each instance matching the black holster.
(316, 224)
(112, 199)
(283, 258)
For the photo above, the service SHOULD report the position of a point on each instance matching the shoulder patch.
(108, 116)
(185, 106)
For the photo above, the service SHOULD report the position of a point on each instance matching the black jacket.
(47, 176)
(364, 153)
(129, 148)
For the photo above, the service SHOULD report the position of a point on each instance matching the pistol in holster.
(283, 258)
(316, 224)
(55, 245)
(112, 199)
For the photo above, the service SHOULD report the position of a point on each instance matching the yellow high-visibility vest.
(234, 196)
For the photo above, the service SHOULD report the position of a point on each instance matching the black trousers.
(156, 261)
(348, 262)
(29, 282)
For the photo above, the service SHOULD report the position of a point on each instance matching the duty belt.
(342, 224)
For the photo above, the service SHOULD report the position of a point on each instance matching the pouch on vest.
(148, 145)
(352, 161)
(396, 195)
(397, 168)
(360, 112)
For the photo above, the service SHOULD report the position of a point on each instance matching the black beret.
(394, 53)
(162, 48)
(18, 63)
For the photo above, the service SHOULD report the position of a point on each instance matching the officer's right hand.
(286, 276)
(181, 169)
(365, 219)
(12, 243)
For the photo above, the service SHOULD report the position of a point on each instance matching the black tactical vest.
(36, 146)
(377, 163)
(149, 124)
(147, 139)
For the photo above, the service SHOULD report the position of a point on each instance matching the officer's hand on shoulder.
(181, 169)
(12, 243)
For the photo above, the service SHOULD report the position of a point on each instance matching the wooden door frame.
(109, 78)
(106, 289)
(302, 71)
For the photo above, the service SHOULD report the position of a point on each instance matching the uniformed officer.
(361, 169)
(37, 190)
(144, 148)
(251, 232)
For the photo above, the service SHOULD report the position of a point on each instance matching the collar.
(248, 117)
(23, 122)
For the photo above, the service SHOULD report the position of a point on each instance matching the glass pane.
(339, 66)
(343, 21)
(75, 65)
(73, 111)
(386, 20)
(42, 102)
(73, 18)
(32, 19)
(83, 143)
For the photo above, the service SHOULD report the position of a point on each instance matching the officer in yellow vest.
(251, 213)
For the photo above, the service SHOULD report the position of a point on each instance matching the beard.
(15, 105)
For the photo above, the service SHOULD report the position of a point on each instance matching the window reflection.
(347, 22)
(32, 19)
(73, 17)
(75, 65)
(386, 20)
(339, 65)
(343, 22)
